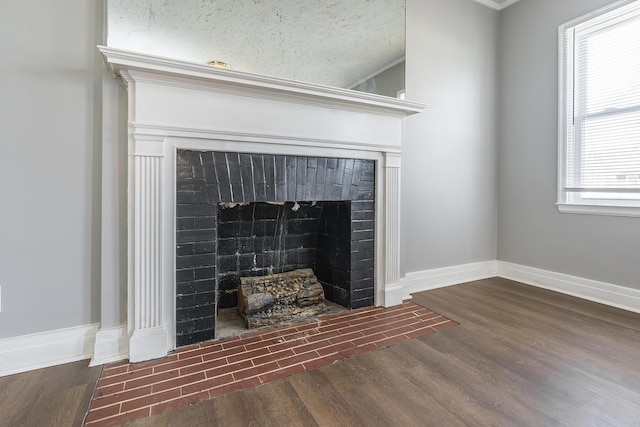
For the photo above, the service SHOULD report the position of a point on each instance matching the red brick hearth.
(204, 371)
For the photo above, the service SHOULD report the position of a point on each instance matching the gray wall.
(57, 105)
(388, 83)
(113, 239)
(49, 165)
(449, 162)
(55, 99)
(531, 230)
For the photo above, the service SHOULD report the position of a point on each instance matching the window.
(599, 155)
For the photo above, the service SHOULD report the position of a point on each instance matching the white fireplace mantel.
(178, 105)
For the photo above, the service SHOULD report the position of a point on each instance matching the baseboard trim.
(29, 352)
(447, 276)
(592, 290)
(111, 345)
(394, 295)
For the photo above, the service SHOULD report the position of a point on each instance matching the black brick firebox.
(256, 214)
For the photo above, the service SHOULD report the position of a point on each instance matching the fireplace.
(175, 107)
(249, 214)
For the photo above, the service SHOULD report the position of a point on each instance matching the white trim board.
(29, 352)
(447, 276)
(111, 345)
(592, 290)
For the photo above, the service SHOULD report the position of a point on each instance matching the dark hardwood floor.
(521, 356)
(56, 396)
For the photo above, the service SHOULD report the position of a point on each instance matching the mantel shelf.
(123, 63)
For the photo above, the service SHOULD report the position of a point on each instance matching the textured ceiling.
(331, 42)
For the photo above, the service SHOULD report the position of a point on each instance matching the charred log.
(276, 298)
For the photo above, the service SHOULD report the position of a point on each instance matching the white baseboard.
(147, 344)
(592, 290)
(447, 276)
(111, 345)
(604, 293)
(29, 352)
(394, 295)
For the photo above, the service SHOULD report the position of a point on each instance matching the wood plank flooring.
(56, 396)
(521, 356)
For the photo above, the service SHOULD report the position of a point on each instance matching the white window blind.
(600, 139)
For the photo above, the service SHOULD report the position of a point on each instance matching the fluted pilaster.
(393, 292)
(149, 337)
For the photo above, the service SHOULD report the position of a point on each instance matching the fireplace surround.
(175, 105)
(248, 214)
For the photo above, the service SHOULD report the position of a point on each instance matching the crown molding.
(495, 5)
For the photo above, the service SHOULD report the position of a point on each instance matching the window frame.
(574, 202)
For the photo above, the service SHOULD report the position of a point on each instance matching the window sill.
(628, 211)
